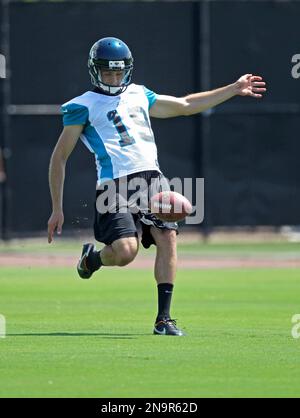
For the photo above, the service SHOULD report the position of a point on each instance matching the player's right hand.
(55, 222)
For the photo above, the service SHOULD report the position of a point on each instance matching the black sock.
(94, 261)
(164, 300)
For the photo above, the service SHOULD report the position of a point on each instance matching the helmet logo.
(116, 65)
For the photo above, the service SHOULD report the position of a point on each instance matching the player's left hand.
(250, 85)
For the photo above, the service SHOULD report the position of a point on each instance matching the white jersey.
(117, 130)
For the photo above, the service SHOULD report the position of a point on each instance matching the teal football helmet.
(114, 55)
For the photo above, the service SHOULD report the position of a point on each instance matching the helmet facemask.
(96, 66)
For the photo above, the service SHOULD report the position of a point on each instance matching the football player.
(113, 121)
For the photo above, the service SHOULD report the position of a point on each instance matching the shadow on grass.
(78, 334)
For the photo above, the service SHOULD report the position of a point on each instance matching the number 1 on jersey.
(126, 139)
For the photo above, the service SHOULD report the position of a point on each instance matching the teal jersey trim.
(151, 96)
(102, 156)
(74, 114)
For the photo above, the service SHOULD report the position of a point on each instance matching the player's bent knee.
(125, 251)
(125, 257)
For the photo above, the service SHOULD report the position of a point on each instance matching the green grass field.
(68, 337)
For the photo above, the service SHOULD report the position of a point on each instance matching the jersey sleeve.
(151, 96)
(74, 114)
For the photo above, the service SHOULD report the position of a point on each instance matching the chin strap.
(111, 90)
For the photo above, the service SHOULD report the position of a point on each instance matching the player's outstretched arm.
(169, 106)
(62, 150)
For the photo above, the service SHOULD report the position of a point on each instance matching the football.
(170, 206)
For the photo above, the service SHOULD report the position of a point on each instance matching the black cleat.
(167, 327)
(83, 270)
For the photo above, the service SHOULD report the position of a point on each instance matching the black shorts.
(108, 227)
